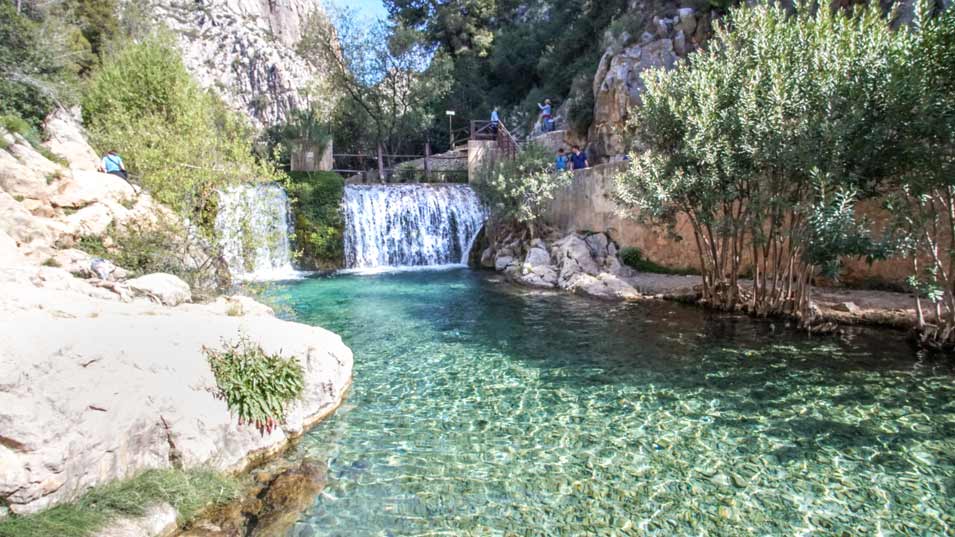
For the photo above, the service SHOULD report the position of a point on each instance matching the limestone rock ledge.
(93, 389)
(581, 263)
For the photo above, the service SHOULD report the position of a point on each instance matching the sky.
(373, 9)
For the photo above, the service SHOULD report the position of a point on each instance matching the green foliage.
(922, 198)
(634, 258)
(764, 142)
(178, 140)
(518, 189)
(188, 491)
(303, 128)
(45, 49)
(319, 227)
(257, 386)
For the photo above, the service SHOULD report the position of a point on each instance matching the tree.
(517, 190)
(379, 71)
(764, 143)
(922, 198)
(179, 141)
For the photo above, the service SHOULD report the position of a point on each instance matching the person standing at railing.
(561, 162)
(578, 159)
(495, 121)
(547, 116)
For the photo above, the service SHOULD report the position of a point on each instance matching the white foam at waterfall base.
(254, 224)
(401, 226)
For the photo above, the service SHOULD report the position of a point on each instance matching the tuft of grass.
(50, 262)
(189, 491)
(633, 258)
(51, 156)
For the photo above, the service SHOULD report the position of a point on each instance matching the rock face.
(93, 389)
(581, 263)
(68, 140)
(245, 50)
(618, 84)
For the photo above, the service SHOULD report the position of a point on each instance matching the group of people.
(575, 160)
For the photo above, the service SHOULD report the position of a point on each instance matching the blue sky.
(373, 9)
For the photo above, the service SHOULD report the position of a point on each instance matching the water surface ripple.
(480, 409)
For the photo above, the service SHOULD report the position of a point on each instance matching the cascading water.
(410, 225)
(253, 225)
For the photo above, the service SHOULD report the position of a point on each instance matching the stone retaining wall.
(587, 205)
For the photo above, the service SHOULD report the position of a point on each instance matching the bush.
(178, 140)
(633, 258)
(319, 227)
(188, 491)
(257, 386)
(518, 189)
(764, 142)
(39, 62)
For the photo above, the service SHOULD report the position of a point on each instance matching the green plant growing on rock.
(319, 227)
(256, 385)
(518, 189)
(764, 143)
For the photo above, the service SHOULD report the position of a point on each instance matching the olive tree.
(764, 143)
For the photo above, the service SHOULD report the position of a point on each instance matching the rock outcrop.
(93, 389)
(101, 378)
(582, 263)
(618, 84)
(246, 51)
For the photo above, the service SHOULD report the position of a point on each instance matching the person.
(578, 160)
(113, 163)
(547, 120)
(495, 121)
(561, 160)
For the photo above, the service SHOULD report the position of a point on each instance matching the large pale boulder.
(164, 288)
(21, 225)
(92, 220)
(20, 180)
(94, 389)
(67, 139)
(85, 187)
(10, 255)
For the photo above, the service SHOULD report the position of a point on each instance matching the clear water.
(481, 409)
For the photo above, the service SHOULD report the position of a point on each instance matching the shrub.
(188, 491)
(634, 258)
(178, 140)
(764, 142)
(257, 386)
(518, 189)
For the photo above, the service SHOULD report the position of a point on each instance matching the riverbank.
(589, 264)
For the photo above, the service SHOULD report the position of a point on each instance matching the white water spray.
(410, 225)
(254, 225)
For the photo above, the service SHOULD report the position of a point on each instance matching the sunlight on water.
(480, 409)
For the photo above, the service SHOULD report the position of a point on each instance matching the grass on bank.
(634, 258)
(189, 491)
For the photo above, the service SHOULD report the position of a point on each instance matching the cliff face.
(676, 30)
(245, 50)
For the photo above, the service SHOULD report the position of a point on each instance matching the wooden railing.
(495, 131)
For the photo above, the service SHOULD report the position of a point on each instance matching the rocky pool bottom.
(479, 408)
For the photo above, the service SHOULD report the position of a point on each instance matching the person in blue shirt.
(547, 118)
(578, 159)
(113, 163)
(495, 120)
(561, 160)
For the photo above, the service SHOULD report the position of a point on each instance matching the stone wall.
(587, 205)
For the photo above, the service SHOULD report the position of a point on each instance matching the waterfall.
(253, 225)
(410, 225)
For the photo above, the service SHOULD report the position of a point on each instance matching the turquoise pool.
(482, 409)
